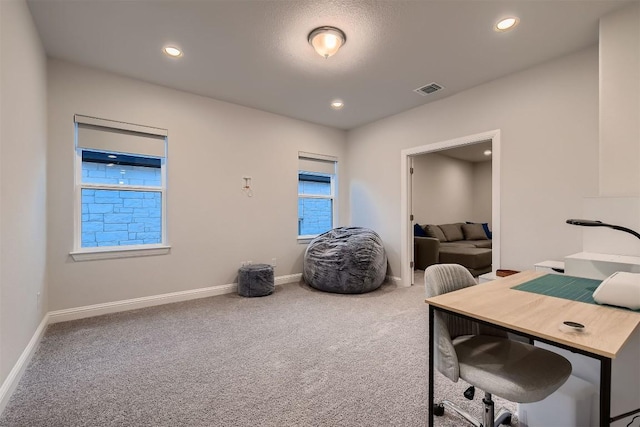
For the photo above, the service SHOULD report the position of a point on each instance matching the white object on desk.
(553, 267)
(621, 289)
(599, 266)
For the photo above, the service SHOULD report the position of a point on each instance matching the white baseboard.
(11, 382)
(136, 303)
(395, 280)
(150, 301)
(290, 278)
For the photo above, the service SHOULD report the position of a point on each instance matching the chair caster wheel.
(470, 392)
(438, 409)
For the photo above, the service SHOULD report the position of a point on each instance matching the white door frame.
(406, 233)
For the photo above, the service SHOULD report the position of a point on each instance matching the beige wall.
(548, 117)
(620, 102)
(23, 147)
(482, 192)
(212, 225)
(442, 189)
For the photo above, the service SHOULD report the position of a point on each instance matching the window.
(316, 194)
(120, 189)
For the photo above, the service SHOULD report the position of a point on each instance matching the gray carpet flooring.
(298, 357)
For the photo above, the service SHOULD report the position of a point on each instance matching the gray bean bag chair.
(345, 260)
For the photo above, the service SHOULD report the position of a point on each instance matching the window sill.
(90, 254)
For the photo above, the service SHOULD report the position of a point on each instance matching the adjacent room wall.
(442, 189)
(23, 147)
(482, 192)
(548, 117)
(212, 225)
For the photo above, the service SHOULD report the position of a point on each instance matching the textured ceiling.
(470, 153)
(255, 52)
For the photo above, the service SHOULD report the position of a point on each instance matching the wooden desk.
(538, 317)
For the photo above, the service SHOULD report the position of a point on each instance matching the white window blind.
(107, 135)
(317, 163)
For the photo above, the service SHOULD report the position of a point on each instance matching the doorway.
(406, 235)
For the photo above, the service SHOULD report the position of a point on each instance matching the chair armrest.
(426, 252)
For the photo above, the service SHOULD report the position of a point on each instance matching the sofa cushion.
(452, 232)
(473, 232)
(435, 231)
(486, 243)
(459, 243)
(468, 243)
(486, 230)
(475, 258)
(463, 243)
(418, 231)
(485, 225)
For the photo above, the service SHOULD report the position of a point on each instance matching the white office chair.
(484, 356)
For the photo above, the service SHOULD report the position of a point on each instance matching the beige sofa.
(457, 243)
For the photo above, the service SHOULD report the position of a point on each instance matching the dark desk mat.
(565, 287)
(561, 286)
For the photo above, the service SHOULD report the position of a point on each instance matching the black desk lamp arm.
(591, 223)
(626, 230)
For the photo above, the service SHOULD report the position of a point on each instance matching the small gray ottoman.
(255, 280)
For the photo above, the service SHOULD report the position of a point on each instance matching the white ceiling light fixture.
(337, 104)
(507, 24)
(327, 40)
(172, 51)
(487, 152)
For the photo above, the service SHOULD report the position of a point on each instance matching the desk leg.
(605, 392)
(431, 349)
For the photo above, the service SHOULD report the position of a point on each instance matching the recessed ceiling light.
(507, 24)
(337, 104)
(487, 152)
(172, 51)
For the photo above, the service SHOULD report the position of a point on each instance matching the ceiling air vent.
(428, 89)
